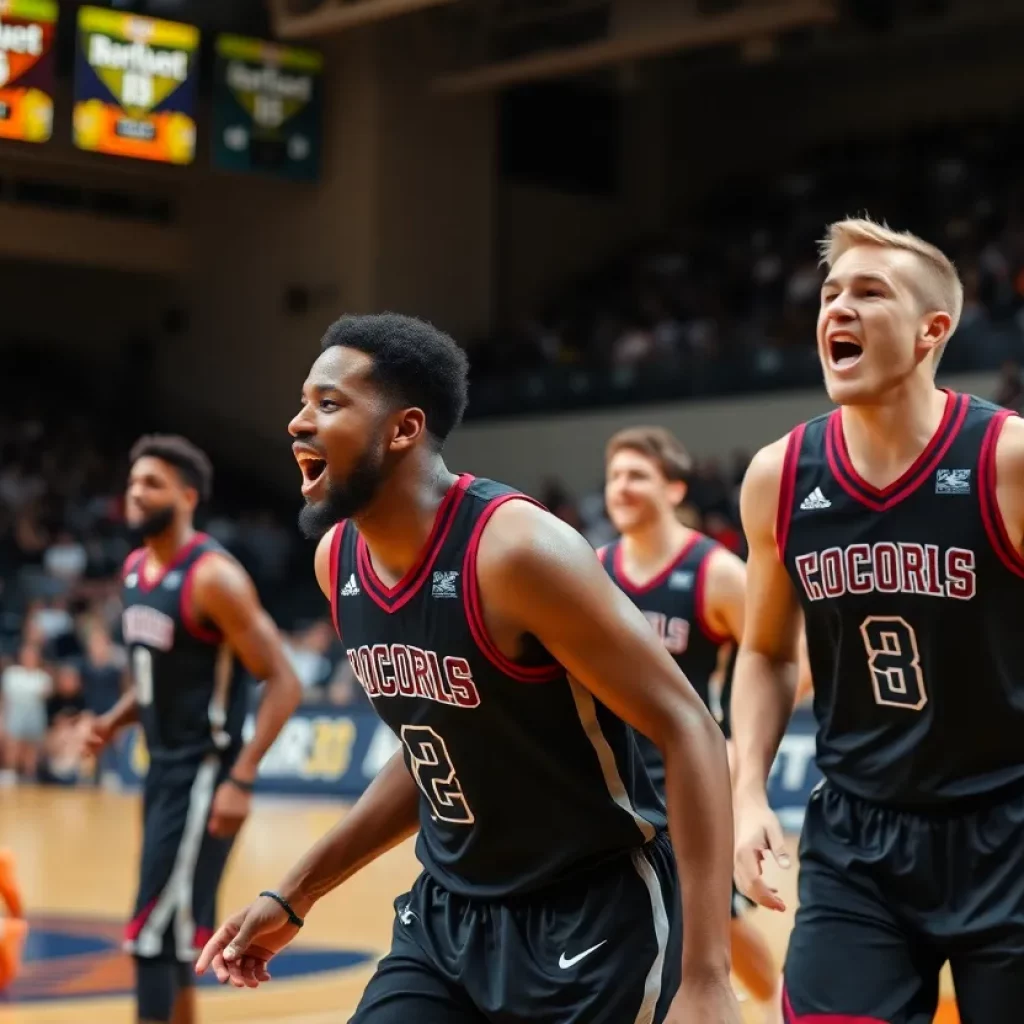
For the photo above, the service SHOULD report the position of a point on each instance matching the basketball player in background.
(193, 625)
(691, 590)
(896, 522)
(490, 639)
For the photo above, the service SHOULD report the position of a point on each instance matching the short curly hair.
(414, 363)
(192, 463)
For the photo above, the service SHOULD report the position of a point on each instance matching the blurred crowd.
(63, 541)
(740, 286)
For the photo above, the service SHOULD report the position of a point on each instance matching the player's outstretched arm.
(764, 681)
(385, 815)
(106, 726)
(382, 817)
(539, 576)
(223, 593)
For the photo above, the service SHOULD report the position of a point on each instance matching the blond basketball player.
(896, 522)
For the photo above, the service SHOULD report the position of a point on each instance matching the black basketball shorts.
(605, 949)
(887, 897)
(182, 864)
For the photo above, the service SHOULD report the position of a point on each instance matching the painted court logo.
(81, 957)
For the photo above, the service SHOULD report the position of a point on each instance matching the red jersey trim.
(474, 607)
(639, 589)
(391, 599)
(879, 499)
(602, 553)
(699, 597)
(131, 563)
(146, 586)
(787, 489)
(333, 561)
(995, 525)
(200, 631)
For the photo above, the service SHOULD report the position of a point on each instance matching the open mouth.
(844, 352)
(313, 469)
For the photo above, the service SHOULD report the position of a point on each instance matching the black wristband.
(293, 918)
(245, 787)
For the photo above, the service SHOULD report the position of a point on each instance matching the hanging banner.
(27, 32)
(135, 86)
(267, 108)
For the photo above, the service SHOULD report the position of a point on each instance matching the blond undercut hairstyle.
(942, 287)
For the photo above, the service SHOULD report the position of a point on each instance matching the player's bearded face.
(150, 522)
(345, 497)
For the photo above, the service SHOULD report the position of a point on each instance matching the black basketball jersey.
(191, 688)
(525, 778)
(673, 603)
(912, 596)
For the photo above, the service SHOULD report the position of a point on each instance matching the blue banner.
(326, 751)
(322, 751)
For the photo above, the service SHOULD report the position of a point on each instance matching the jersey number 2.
(434, 773)
(894, 661)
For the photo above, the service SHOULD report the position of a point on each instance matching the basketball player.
(691, 590)
(896, 522)
(192, 622)
(490, 639)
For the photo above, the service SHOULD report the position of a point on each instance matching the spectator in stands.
(67, 719)
(102, 670)
(1010, 392)
(307, 650)
(24, 688)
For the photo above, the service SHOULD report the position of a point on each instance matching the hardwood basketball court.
(76, 853)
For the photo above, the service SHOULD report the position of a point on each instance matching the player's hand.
(708, 1000)
(230, 809)
(99, 734)
(243, 946)
(758, 833)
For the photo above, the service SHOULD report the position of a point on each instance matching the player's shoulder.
(514, 529)
(720, 559)
(760, 492)
(1009, 448)
(216, 567)
(767, 465)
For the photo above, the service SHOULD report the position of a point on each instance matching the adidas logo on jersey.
(815, 500)
(444, 584)
(680, 581)
(351, 589)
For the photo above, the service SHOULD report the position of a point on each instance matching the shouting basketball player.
(897, 522)
(192, 622)
(692, 591)
(490, 639)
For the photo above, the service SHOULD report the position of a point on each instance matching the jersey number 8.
(895, 662)
(434, 773)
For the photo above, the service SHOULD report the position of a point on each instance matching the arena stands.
(728, 303)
